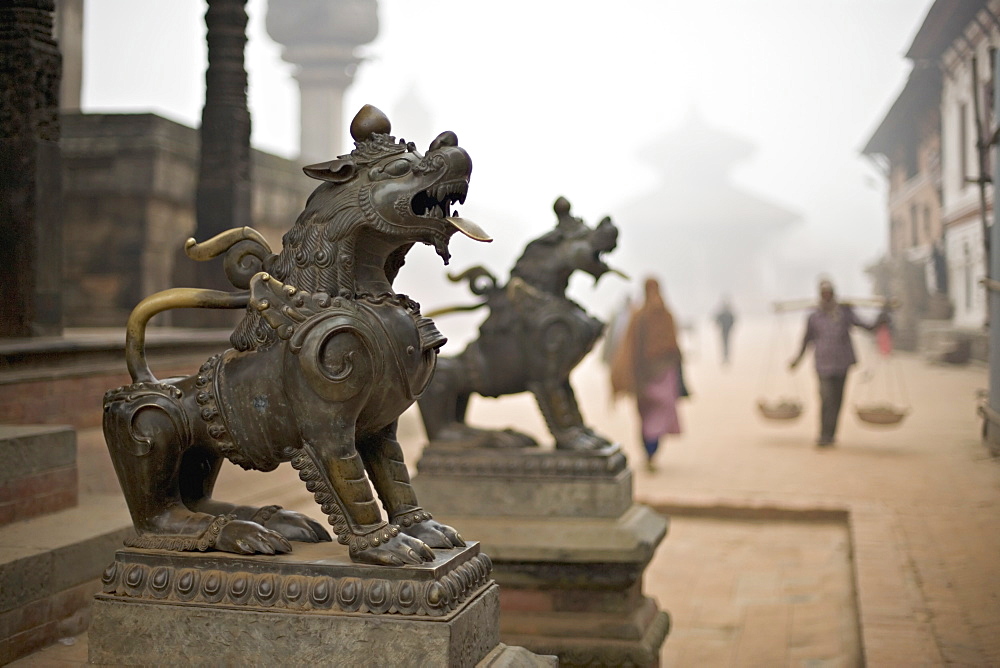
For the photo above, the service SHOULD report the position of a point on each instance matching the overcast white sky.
(558, 96)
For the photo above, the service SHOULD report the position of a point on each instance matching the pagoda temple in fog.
(702, 234)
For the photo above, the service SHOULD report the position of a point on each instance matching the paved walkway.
(888, 542)
(756, 593)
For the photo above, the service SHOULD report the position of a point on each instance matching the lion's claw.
(435, 534)
(397, 551)
(581, 438)
(243, 537)
(296, 526)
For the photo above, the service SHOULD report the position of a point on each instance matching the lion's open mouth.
(436, 201)
(600, 267)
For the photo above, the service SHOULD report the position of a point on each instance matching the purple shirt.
(830, 334)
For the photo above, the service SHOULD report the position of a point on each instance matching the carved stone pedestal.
(313, 606)
(568, 544)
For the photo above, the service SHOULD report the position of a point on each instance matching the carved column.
(320, 36)
(223, 196)
(30, 170)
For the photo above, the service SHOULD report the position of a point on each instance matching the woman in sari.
(647, 364)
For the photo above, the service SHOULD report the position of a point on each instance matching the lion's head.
(548, 262)
(375, 202)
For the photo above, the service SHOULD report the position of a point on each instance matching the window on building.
(910, 160)
(988, 90)
(963, 143)
(914, 235)
(927, 224)
(968, 275)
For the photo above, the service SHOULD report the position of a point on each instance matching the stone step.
(38, 472)
(61, 380)
(50, 568)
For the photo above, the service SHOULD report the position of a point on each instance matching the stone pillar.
(223, 196)
(69, 32)
(30, 171)
(320, 36)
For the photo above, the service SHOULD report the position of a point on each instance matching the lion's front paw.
(581, 438)
(242, 537)
(397, 551)
(435, 534)
(292, 525)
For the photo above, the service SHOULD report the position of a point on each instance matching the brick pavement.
(756, 593)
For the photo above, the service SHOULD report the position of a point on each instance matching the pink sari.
(657, 403)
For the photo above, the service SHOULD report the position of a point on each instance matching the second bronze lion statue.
(323, 363)
(532, 339)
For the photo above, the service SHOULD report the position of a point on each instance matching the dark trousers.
(651, 447)
(831, 396)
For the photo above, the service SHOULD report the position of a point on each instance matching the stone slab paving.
(756, 593)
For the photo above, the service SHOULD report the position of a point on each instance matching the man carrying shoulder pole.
(828, 329)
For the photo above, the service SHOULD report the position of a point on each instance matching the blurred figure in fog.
(725, 319)
(647, 364)
(615, 330)
(828, 329)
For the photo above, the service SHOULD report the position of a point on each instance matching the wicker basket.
(780, 410)
(882, 414)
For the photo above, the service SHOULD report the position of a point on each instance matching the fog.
(721, 137)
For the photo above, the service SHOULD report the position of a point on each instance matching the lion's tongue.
(469, 228)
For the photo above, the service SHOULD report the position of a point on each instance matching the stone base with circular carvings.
(311, 606)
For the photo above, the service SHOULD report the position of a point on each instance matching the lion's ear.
(337, 171)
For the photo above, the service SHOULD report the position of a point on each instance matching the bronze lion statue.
(325, 359)
(533, 337)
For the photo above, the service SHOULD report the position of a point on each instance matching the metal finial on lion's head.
(565, 220)
(368, 121)
(372, 142)
(370, 130)
(561, 206)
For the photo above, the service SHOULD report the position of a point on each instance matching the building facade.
(907, 149)
(929, 146)
(966, 62)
